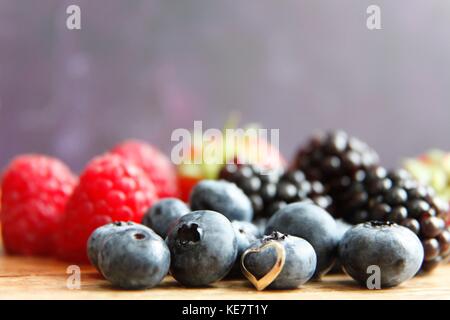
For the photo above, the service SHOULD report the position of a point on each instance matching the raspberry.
(155, 164)
(35, 191)
(110, 189)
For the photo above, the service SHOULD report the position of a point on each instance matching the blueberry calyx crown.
(275, 235)
(380, 224)
(139, 236)
(189, 233)
(122, 223)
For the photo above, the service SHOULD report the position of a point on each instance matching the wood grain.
(45, 278)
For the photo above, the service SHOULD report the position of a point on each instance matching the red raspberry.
(35, 191)
(156, 165)
(110, 189)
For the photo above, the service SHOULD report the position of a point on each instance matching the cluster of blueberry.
(217, 239)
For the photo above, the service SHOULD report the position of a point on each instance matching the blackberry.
(333, 157)
(271, 190)
(379, 194)
(362, 190)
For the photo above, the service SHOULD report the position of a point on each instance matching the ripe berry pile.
(363, 191)
(269, 191)
(46, 210)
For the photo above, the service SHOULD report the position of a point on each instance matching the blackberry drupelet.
(378, 194)
(269, 191)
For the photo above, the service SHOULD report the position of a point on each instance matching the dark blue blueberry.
(246, 234)
(163, 214)
(261, 224)
(312, 223)
(395, 249)
(342, 228)
(203, 248)
(298, 268)
(95, 241)
(134, 258)
(222, 196)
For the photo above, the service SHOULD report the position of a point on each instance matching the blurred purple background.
(142, 68)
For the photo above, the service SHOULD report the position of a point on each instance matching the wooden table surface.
(45, 278)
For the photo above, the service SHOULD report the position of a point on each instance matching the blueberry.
(134, 258)
(312, 223)
(298, 268)
(163, 214)
(261, 224)
(203, 248)
(95, 241)
(224, 197)
(395, 249)
(342, 228)
(246, 233)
